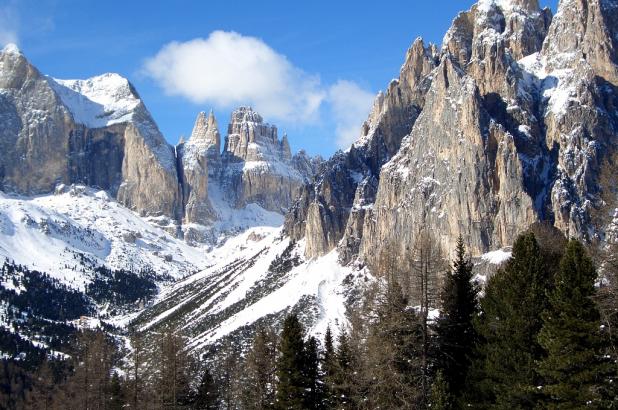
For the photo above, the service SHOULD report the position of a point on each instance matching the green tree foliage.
(291, 380)
(456, 335)
(207, 395)
(505, 375)
(329, 369)
(314, 394)
(440, 396)
(576, 372)
(260, 371)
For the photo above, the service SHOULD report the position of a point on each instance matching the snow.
(557, 87)
(230, 220)
(49, 232)
(321, 278)
(273, 166)
(488, 5)
(497, 257)
(99, 101)
(11, 48)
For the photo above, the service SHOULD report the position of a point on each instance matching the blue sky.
(313, 67)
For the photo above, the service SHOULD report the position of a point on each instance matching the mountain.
(95, 132)
(98, 133)
(511, 122)
(252, 181)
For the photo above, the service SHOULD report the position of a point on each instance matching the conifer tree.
(115, 394)
(456, 336)
(440, 395)
(173, 362)
(291, 380)
(575, 371)
(311, 371)
(505, 376)
(329, 369)
(207, 395)
(260, 371)
(394, 359)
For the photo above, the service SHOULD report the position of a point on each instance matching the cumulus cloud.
(8, 25)
(228, 69)
(350, 105)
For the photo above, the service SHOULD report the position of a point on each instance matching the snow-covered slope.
(98, 101)
(67, 234)
(256, 276)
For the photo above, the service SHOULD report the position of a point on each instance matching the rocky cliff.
(98, 133)
(257, 166)
(513, 121)
(95, 132)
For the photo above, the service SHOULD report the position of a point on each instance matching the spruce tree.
(291, 380)
(329, 369)
(311, 371)
(207, 395)
(115, 394)
(258, 387)
(341, 380)
(505, 374)
(456, 336)
(575, 370)
(440, 395)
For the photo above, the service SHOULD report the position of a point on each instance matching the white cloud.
(229, 69)
(350, 105)
(8, 25)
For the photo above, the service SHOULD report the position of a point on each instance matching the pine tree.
(173, 362)
(329, 369)
(291, 380)
(341, 380)
(260, 371)
(207, 395)
(116, 399)
(505, 375)
(311, 371)
(394, 360)
(575, 370)
(456, 336)
(440, 395)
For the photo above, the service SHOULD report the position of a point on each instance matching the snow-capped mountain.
(510, 122)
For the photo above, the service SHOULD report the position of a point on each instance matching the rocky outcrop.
(513, 121)
(199, 158)
(257, 166)
(345, 186)
(96, 132)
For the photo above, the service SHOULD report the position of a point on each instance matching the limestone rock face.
(513, 121)
(342, 186)
(257, 166)
(96, 132)
(199, 158)
(206, 135)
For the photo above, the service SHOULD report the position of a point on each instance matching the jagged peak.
(206, 129)
(98, 101)
(11, 48)
(246, 114)
(584, 30)
(530, 6)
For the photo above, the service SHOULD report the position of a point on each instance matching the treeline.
(121, 288)
(541, 334)
(35, 293)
